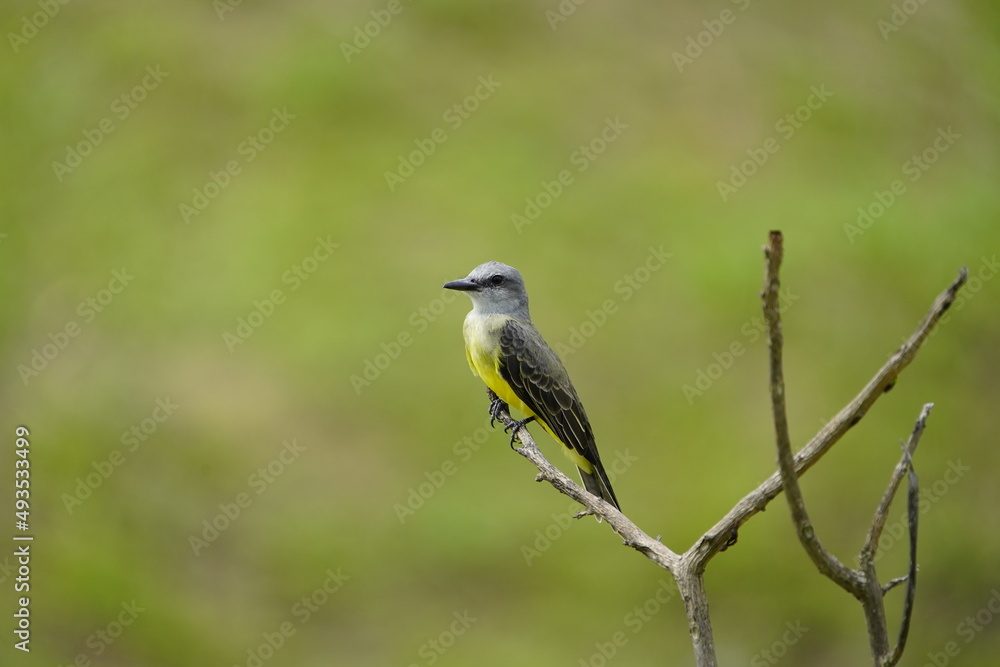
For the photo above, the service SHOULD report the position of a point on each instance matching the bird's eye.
(496, 280)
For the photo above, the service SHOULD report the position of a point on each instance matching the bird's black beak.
(463, 285)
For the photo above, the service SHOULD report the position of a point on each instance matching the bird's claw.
(497, 405)
(515, 427)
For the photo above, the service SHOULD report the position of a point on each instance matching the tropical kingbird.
(506, 350)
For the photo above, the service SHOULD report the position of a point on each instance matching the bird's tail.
(597, 483)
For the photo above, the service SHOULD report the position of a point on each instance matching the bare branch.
(630, 533)
(862, 583)
(716, 538)
(892, 583)
(691, 586)
(882, 513)
(689, 578)
(825, 562)
(913, 516)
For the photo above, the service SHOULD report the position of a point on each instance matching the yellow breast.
(482, 347)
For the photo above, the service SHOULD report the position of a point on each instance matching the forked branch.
(688, 568)
(861, 583)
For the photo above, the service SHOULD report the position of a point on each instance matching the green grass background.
(335, 507)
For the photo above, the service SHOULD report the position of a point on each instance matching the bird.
(508, 353)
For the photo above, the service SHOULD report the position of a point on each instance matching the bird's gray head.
(495, 288)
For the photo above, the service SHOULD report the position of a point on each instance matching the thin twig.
(825, 562)
(870, 547)
(892, 583)
(913, 516)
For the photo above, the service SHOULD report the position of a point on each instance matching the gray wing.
(539, 379)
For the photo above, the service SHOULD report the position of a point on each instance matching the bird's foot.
(497, 405)
(515, 427)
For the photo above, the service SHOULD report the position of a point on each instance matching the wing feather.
(538, 378)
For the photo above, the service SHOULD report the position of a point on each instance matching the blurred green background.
(378, 517)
